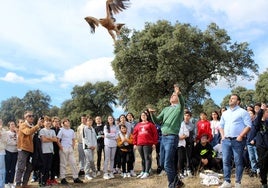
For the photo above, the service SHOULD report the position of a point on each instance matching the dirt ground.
(154, 180)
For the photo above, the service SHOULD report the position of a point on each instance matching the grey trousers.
(24, 167)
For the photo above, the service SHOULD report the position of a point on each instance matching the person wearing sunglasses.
(26, 148)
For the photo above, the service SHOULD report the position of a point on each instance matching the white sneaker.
(128, 175)
(132, 173)
(226, 185)
(145, 175)
(106, 176)
(238, 185)
(94, 174)
(88, 177)
(189, 173)
(111, 175)
(162, 173)
(7, 186)
(140, 175)
(124, 175)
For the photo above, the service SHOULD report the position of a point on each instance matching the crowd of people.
(232, 138)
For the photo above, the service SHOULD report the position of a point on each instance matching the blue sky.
(47, 45)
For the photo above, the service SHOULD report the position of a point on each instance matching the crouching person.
(203, 155)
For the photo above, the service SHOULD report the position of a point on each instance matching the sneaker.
(64, 181)
(81, 173)
(226, 185)
(94, 174)
(132, 173)
(53, 182)
(128, 175)
(181, 175)
(111, 175)
(162, 173)
(124, 175)
(7, 185)
(106, 176)
(98, 173)
(140, 175)
(48, 183)
(88, 177)
(77, 180)
(238, 185)
(189, 173)
(145, 175)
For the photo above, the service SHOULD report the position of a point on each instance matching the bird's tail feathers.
(93, 23)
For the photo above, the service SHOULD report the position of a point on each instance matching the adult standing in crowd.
(235, 123)
(170, 119)
(81, 153)
(25, 148)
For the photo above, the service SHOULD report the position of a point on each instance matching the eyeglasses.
(30, 116)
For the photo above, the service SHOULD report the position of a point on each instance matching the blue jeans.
(253, 157)
(2, 170)
(233, 148)
(168, 150)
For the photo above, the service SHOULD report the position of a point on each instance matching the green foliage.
(262, 88)
(209, 106)
(11, 110)
(152, 60)
(14, 108)
(91, 99)
(246, 95)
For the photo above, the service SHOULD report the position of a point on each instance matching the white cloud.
(91, 71)
(12, 77)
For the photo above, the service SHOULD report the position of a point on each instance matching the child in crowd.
(125, 144)
(11, 153)
(66, 142)
(203, 127)
(3, 142)
(110, 144)
(203, 155)
(183, 134)
(99, 128)
(89, 141)
(47, 136)
(145, 137)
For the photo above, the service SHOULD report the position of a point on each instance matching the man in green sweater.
(170, 120)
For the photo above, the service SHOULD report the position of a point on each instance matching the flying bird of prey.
(112, 7)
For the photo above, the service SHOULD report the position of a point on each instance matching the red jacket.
(203, 127)
(145, 134)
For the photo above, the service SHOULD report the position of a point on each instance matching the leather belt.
(231, 138)
(169, 135)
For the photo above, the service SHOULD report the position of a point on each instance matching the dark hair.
(122, 125)
(146, 112)
(129, 113)
(188, 113)
(253, 111)
(108, 125)
(216, 112)
(238, 98)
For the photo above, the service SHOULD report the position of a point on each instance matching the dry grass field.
(154, 180)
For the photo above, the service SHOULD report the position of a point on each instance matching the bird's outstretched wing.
(116, 6)
(93, 23)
